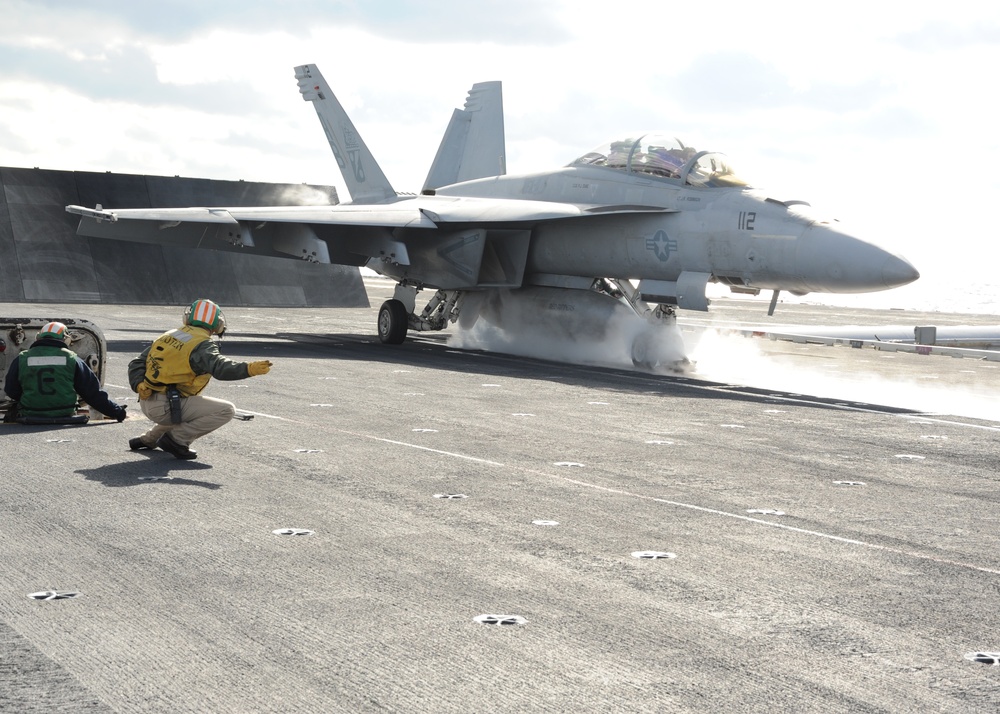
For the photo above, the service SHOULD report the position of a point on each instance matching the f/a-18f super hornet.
(640, 225)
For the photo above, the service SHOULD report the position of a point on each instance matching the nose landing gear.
(659, 347)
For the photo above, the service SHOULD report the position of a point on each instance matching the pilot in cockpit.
(620, 151)
(661, 161)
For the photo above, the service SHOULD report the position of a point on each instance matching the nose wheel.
(642, 352)
(650, 354)
(392, 322)
(660, 347)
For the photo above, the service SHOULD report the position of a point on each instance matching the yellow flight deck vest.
(169, 361)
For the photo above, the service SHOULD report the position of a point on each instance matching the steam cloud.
(562, 326)
(303, 195)
(739, 360)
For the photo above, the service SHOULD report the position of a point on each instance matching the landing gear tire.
(392, 322)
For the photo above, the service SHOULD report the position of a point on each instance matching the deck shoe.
(167, 443)
(137, 444)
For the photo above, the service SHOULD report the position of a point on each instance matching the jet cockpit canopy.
(664, 156)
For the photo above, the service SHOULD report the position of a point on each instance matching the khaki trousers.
(199, 416)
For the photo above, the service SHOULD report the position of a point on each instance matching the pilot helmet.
(206, 314)
(53, 331)
(667, 156)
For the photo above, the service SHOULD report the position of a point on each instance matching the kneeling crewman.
(46, 378)
(170, 374)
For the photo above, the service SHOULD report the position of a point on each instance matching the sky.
(882, 114)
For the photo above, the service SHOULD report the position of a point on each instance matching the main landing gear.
(656, 345)
(397, 316)
(392, 322)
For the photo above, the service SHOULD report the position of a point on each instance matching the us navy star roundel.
(661, 245)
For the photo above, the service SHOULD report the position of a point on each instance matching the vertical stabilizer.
(473, 146)
(365, 181)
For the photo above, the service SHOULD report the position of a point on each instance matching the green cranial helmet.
(205, 313)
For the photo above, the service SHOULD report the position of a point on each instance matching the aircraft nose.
(835, 262)
(898, 271)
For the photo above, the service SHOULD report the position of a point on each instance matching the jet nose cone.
(832, 261)
(898, 271)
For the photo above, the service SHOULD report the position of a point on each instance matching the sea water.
(930, 294)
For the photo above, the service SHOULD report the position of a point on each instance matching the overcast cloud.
(881, 111)
(513, 22)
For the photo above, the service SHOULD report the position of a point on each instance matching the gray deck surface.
(858, 598)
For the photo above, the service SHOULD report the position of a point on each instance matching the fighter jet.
(641, 224)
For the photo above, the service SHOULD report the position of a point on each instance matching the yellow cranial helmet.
(54, 331)
(205, 313)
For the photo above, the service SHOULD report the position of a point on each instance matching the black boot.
(137, 444)
(167, 443)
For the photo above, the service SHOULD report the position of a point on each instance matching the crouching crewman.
(46, 378)
(170, 375)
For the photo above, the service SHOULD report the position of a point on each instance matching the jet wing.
(440, 240)
(391, 216)
(423, 212)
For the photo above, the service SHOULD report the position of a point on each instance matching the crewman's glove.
(255, 369)
(120, 413)
(144, 390)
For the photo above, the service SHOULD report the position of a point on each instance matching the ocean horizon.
(925, 295)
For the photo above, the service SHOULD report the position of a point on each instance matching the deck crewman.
(48, 379)
(171, 373)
